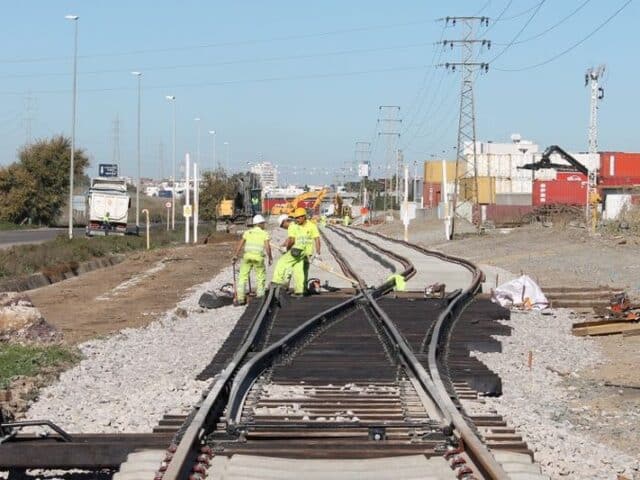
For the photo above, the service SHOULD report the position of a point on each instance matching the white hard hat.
(258, 219)
(282, 218)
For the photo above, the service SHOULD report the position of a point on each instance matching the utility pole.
(466, 169)
(592, 77)
(161, 159)
(389, 123)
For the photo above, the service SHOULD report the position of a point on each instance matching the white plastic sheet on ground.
(522, 292)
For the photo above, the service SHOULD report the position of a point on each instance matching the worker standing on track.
(346, 220)
(255, 243)
(303, 239)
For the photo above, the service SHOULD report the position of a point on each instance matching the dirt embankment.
(132, 293)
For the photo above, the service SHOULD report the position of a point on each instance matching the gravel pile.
(540, 402)
(128, 381)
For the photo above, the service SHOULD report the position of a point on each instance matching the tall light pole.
(73, 18)
(172, 99)
(226, 144)
(213, 135)
(139, 76)
(197, 120)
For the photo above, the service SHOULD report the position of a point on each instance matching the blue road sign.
(108, 169)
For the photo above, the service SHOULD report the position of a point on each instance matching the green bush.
(30, 360)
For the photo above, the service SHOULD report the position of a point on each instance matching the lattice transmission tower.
(466, 192)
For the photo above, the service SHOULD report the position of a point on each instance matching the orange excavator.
(288, 207)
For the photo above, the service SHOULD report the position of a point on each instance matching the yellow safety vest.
(304, 236)
(254, 240)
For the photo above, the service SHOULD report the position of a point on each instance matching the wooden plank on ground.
(609, 328)
(597, 323)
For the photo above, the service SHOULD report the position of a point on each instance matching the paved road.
(8, 238)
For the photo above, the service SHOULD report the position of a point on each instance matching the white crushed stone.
(536, 403)
(128, 381)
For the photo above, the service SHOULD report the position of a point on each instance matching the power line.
(521, 14)
(555, 25)
(429, 74)
(517, 35)
(570, 48)
(499, 17)
(222, 44)
(232, 82)
(224, 63)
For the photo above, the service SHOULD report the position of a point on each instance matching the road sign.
(108, 169)
(363, 170)
(187, 211)
(167, 205)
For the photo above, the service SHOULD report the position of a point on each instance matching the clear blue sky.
(300, 82)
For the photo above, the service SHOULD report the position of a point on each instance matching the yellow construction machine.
(288, 207)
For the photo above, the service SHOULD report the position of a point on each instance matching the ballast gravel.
(128, 381)
(539, 401)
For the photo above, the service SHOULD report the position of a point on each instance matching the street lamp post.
(213, 135)
(139, 76)
(172, 99)
(73, 18)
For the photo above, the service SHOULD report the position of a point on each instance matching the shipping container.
(513, 199)
(569, 188)
(486, 189)
(433, 170)
(619, 165)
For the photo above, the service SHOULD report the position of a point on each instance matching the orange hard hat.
(299, 212)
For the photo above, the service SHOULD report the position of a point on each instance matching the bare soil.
(132, 293)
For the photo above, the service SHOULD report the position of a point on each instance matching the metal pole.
(73, 121)
(196, 202)
(173, 191)
(139, 75)
(146, 212)
(186, 202)
(406, 203)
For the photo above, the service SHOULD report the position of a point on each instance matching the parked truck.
(109, 206)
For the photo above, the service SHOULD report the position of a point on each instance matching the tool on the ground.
(620, 302)
(436, 290)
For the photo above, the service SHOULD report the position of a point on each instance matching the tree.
(37, 186)
(215, 187)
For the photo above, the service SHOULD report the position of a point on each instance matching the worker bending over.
(302, 237)
(255, 243)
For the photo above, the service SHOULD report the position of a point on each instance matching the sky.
(298, 83)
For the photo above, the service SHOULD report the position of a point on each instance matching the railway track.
(365, 383)
(344, 386)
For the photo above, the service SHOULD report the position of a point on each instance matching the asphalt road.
(9, 238)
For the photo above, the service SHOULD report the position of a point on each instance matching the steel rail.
(211, 408)
(438, 347)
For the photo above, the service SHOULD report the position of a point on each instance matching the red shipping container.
(619, 165)
(569, 188)
(431, 194)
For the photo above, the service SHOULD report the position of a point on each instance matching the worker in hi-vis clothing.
(255, 243)
(303, 239)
